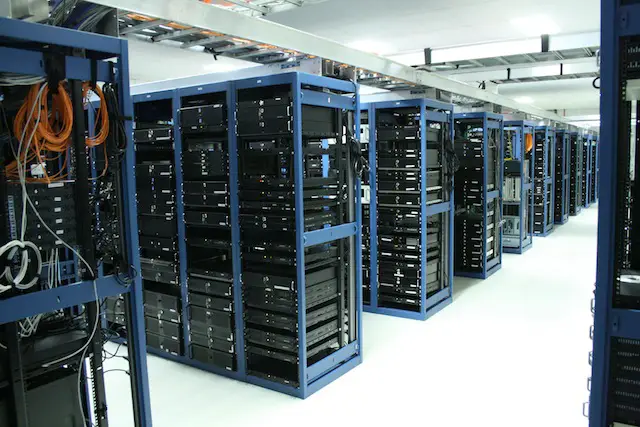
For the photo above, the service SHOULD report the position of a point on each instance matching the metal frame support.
(316, 376)
(430, 111)
(490, 121)
(29, 62)
(523, 128)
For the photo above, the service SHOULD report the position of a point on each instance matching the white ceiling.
(397, 26)
(152, 62)
(557, 94)
(403, 25)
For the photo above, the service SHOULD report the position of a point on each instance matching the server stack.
(518, 186)
(478, 194)
(562, 174)
(204, 129)
(586, 170)
(158, 225)
(544, 181)
(577, 147)
(366, 207)
(298, 206)
(411, 148)
(593, 183)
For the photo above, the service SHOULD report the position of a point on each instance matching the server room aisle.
(510, 351)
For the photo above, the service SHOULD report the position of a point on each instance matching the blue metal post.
(423, 205)
(235, 229)
(182, 232)
(136, 297)
(485, 192)
(298, 167)
(373, 207)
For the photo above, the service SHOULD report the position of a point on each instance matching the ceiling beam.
(201, 15)
(256, 8)
(143, 26)
(205, 41)
(176, 34)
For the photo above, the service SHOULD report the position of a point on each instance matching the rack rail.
(35, 50)
(576, 187)
(411, 208)
(478, 194)
(562, 176)
(587, 155)
(595, 170)
(517, 205)
(267, 222)
(544, 194)
(615, 360)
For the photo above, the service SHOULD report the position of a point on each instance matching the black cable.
(597, 79)
(451, 160)
(117, 131)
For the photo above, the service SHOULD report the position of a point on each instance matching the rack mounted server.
(615, 382)
(263, 283)
(586, 169)
(595, 170)
(411, 208)
(576, 187)
(517, 205)
(562, 176)
(79, 194)
(478, 194)
(544, 194)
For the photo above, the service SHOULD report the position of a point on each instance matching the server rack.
(615, 385)
(478, 194)
(544, 193)
(518, 186)
(48, 387)
(593, 186)
(576, 187)
(587, 142)
(411, 207)
(267, 222)
(562, 174)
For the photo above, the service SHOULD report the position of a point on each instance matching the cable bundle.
(50, 131)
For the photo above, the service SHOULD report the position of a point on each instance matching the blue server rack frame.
(524, 240)
(562, 176)
(430, 113)
(24, 52)
(544, 193)
(616, 332)
(338, 96)
(488, 263)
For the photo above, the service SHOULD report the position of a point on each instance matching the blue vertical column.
(358, 236)
(137, 334)
(235, 229)
(182, 234)
(298, 166)
(452, 210)
(500, 166)
(485, 193)
(423, 205)
(373, 206)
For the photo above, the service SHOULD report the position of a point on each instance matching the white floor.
(510, 351)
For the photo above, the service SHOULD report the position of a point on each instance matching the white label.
(38, 169)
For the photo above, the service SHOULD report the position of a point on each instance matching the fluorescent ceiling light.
(372, 46)
(536, 25)
(524, 99)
